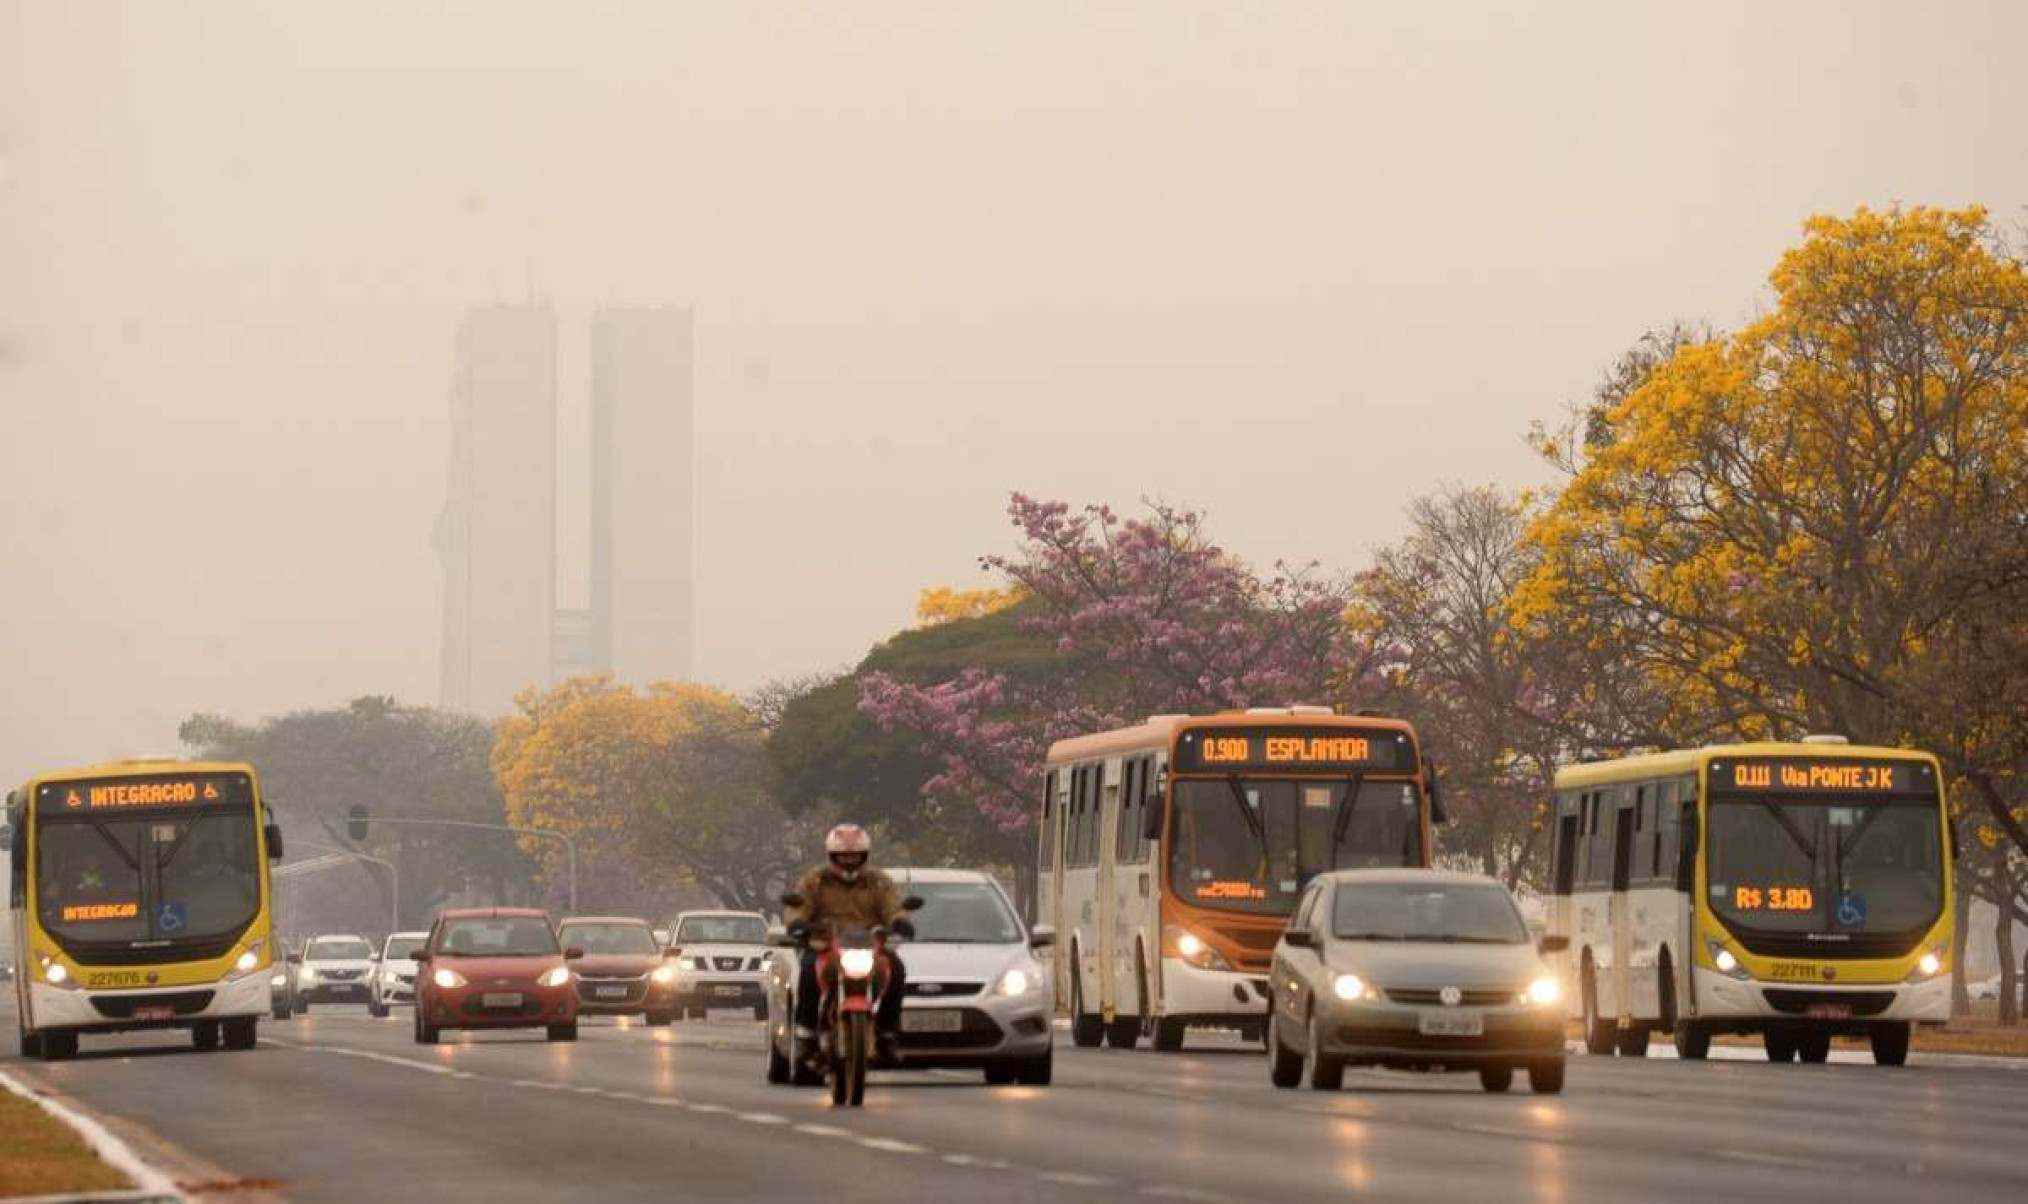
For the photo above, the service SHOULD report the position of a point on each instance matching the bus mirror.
(273, 833)
(1437, 814)
(1956, 852)
(1151, 822)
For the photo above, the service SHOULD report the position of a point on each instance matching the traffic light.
(355, 823)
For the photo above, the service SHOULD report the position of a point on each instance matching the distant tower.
(643, 587)
(496, 537)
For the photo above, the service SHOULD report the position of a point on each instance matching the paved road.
(342, 1107)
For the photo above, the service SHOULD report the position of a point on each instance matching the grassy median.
(41, 1156)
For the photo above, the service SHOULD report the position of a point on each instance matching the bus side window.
(1123, 831)
(1564, 854)
(1073, 812)
(1087, 829)
(1045, 845)
(1664, 837)
(1686, 842)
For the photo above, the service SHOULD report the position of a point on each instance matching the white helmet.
(848, 847)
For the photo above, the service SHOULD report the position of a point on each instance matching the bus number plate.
(159, 1011)
(1829, 1011)
(932, 1022)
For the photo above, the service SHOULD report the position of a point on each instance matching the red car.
(494, 967)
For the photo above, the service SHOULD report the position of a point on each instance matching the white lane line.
(762, 1118)
(825, 1131)
(116, 1153)
(1073, 1179)
(890, 1146)
(709, 1109)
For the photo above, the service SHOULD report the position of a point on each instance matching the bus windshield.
(186, 876)
(1252, 844)
(1871, 866)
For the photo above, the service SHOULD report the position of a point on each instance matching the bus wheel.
(240, 1032)
(1598, 1031)
(1169, 1035)
(1781, 1046)
(1124, 1032)
(1086, 1030)
(204, 1035)
(58, 1046)
(1814, 1046)
(1693, 1040)
(1633, 1042)
(1890, 1043)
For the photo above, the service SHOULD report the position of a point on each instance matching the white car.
(976, 995)
(333, 969)
(393, 979)
(1985, 988)
(721, 959)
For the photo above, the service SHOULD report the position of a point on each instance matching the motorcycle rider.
(847, 892)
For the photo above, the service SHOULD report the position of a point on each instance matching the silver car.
(976, 995)
(1415, 969)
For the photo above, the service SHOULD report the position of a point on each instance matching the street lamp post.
(569, 845)
(336, 856)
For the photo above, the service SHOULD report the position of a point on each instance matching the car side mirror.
(1552, 944)
(419, 956)
(778, 938)
(1042, 937)
(912, 903)
(672, 951)
(573, 953)
(273, 835)
(793, 899)
(1300, 938)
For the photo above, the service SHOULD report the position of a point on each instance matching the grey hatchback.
(1414, 969)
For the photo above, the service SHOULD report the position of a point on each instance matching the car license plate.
(501, 999)
(1451, 1024)
(611, 992)
(733, 990)
(1829, 1011)
(161, 1011)
(925, 1021)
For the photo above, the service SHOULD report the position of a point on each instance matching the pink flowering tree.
(1145, 615)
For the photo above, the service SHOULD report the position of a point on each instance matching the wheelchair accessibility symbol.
(171, 917)
(1851, 910)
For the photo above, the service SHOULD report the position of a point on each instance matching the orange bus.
(1172, 852)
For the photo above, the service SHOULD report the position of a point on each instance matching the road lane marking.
(762, 1118)
(825, 1131)
(1074, 1179)
(891, 1146)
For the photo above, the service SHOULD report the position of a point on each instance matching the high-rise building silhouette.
(643, 586)
(496, 537)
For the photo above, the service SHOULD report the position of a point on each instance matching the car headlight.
(1543, 991)
(1928, 966)
(1018, 980)
(663, 974)
(448, 979)
(1195, 950)
(388, 978)
(1349, 987)
(1723, 958)
(279, 980)
(554, 977)
(857, 963)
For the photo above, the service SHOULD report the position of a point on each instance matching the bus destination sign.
(1789, 774)
(127, 794)
(1301, 749)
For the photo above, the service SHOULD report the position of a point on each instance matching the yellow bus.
(1172, 852)
(1794, 891)
(141, 900)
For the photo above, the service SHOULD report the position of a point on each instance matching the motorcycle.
(853, 975)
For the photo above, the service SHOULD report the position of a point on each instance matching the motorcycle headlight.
(857, 963)
(1544, 991)
(448, 979)
(664, 974)
(1725, 961)
(554, 977)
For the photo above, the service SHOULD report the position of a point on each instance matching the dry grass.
(39, 1155)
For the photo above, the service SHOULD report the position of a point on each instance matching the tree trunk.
(2003, 940)
(1961, 995)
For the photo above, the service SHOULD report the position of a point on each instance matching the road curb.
(153, 1186)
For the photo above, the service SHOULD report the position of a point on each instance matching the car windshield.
(721, 930)
(1830, 868)
(498, 936)
(615, 939)
(1252, 845)
(402, 948)
(1467, 912)
(338, 949)
(965, 913)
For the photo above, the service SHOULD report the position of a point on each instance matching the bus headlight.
(55, 975)
(1544, 991)
(857, 963)
(1195, 950)
(247, 962)
(1928, 966)
(1723, 958)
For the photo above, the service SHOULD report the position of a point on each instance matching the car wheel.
(1598, 1032)
(1633, 1042)
(1169, 1035)
(563, 1032)
(302, 1006)
(1324, 1072)
(1285, 1065)
(425, 1032)
(1086, 1030)
(1890, 1043)
(281, 1013)
(1036, 1071)
(1781, 1046)
(1546, 1077)
(778, 1068)
(1814, 1046)
(204, 1035)
(240, 1032)
(1496, 1077)
(999, 1074)
(1693, 1040)
(376, 1010)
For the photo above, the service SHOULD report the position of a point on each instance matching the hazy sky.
(1292, 263)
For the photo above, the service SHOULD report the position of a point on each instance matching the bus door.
(1108, 907)
(1056, 786)
(1561, 921)
(1619, 909)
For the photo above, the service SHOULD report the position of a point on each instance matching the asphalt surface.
(337, 1106)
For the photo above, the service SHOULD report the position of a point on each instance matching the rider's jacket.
(872, 900)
